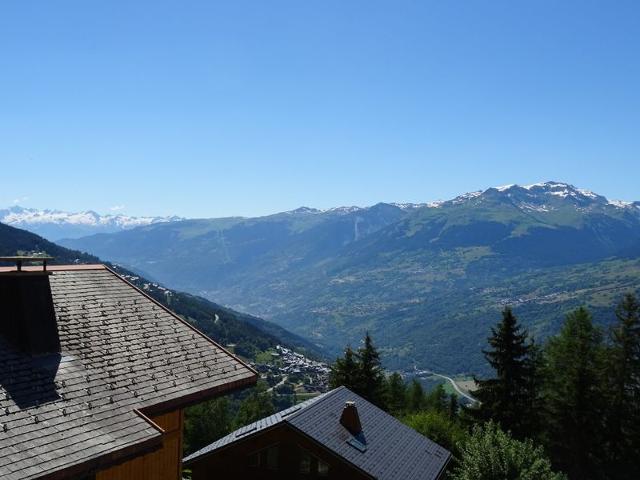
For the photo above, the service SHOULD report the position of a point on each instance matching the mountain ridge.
(56, 224)
(426, 282)
(220, 323)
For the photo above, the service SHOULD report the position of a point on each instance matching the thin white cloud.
(117, 208)
(18, 200)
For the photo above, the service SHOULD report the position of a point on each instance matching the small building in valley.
(336, 435)
(94, 377)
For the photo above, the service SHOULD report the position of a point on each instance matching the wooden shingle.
(121, 353)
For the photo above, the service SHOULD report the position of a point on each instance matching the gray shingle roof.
(393, 450)
(121, 352)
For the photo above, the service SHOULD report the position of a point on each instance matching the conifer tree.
(415, 396)
(453, 407)
(370, 373)
(396, 394)
(623, 406)
(505, 398)
(436, 399)
(345, 371)
(534, 406)
(573, 394)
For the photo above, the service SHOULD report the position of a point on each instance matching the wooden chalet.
(337, 435)
(95, 375)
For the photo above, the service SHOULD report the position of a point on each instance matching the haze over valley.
(426, 280)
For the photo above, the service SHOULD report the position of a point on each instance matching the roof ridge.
(252, 428)
(314, 401)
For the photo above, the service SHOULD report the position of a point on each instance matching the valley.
(426, 280)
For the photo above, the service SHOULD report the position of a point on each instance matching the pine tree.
(396, 394)
(573, 394)
(415, 396)
(623, 406)
(370, 374)
(345, 371)
(505, 398)
(452, 409)
(534, 406)
(437, 399)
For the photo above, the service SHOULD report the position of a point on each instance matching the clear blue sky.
(224, 108)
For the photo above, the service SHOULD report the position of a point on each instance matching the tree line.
(570, 405)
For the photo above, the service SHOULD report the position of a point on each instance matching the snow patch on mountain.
(56, 224)
(467, 196)
(24, 216)
(409, 206)
(538, 196)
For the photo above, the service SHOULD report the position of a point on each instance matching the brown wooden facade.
(162, 464)
(278, 453)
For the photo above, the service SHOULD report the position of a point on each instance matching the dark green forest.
(567, 408)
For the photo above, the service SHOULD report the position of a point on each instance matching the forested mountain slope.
(425, 280)
(249, 334)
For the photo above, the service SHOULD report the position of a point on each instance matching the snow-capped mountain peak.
(57, 224)
(544, 196)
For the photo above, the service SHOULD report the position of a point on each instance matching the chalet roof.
(64, 414)
(392, 450)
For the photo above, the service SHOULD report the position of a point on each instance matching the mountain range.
(427, 280)
(55, 224)
(249, 335)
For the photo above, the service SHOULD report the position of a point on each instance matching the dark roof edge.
(282, 424)
(283, 421)
(105, 461)
(444, 465)
(224, 447)
(199, 396)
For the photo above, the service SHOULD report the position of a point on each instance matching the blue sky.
(225, 108)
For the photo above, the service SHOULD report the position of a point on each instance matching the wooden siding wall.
(163, 464)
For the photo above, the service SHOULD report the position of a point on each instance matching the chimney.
(350, 418)
(27, 316)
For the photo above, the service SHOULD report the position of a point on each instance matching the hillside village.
(289, 372)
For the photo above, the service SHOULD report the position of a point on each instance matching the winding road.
(451, 381)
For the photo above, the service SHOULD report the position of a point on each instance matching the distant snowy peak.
(465, 197)
(562, 190)
(343, 210)
(23, 216)
(413, 206)
(544, 197)
(56, 224)
(303, 210)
